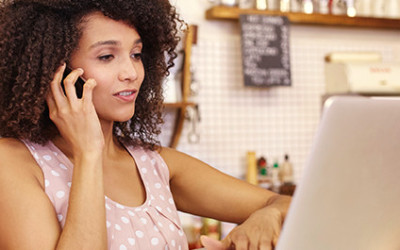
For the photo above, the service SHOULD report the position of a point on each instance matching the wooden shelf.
(233, 13)
(181, 107)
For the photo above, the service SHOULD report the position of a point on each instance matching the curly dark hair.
(37, 36)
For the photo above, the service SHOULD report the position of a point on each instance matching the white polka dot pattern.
(62, 166)
(47, 157)
(125, 220)
(139, 234)
(120, 206)
(55, 173)
(60, 194)
(60, 217)
(153, 225)
(154, 241)
(131, 241)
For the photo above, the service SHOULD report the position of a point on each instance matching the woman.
(88, 173)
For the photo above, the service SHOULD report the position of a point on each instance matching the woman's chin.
(126, 118)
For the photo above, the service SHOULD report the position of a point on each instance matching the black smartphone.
(78, 84)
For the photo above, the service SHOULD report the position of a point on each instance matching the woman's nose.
(129, 70)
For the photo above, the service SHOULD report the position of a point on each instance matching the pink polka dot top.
(153, 225)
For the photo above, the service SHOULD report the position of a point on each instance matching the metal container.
(246, 4)
(284, 5)
(261, 4)
(230, 2)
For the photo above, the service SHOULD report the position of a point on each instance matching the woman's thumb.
(210, 243)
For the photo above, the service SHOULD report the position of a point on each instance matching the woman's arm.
(85, 225)
(28, 220)
(78, 124)
(202, 190)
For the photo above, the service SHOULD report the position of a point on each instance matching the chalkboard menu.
(265, 50)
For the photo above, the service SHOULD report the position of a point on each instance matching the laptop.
(349, 194)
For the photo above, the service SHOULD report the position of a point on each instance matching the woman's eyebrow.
(138, 41)
(101, 43)
(112, 42)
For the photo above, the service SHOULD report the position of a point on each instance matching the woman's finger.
(276, 237)
(239, 240)
(227, 243)
(50, 102)
(254, 235)
(210, 243)
(87, 95)
(241, 244)
(265, 243)
(55, 87)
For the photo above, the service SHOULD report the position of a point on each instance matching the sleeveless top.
(153, 225)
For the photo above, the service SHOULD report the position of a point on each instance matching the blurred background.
(227, 119)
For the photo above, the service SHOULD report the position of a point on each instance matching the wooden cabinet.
(181, 107)
(233, 13)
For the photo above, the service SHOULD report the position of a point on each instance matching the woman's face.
(109, 51)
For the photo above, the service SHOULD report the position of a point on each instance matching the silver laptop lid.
(349, 194)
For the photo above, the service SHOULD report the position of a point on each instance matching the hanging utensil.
(192, 114)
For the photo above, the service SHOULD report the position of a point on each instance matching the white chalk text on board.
(265, 50)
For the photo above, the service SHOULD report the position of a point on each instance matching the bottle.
(261, 164)
(350, 8)
(284, 5)
(261, 4)
(273, 4)
(392, 9)
(286, 171)
(339, 7)
(264, 180)
(211, 228)
(323, 7)
(295, 5)
(194, 233)
(246, 4)
(230, 3)
(378, 8)
(275, 177)
(307, 6)
(364, 8)
(251, 175)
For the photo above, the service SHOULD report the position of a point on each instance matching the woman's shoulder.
(16, 158)
(171, 155)
(11, 145)
(179, 162)
(167, 152)
(10, 148)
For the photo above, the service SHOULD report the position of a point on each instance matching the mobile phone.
(78, 84)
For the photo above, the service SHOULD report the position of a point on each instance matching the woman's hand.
(76, 119)
(259, 232)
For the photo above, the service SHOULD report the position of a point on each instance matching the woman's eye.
(137, 56)
(106, 57)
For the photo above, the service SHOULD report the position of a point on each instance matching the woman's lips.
(126, 95)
